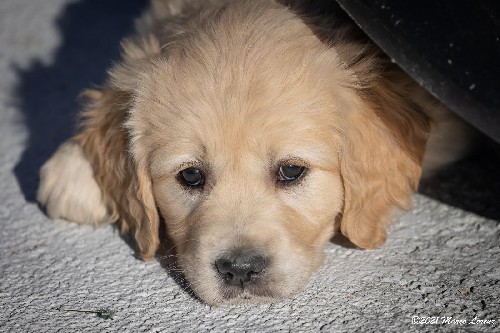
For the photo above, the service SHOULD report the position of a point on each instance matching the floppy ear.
(123, 179)
(125, 183)
(381, 160)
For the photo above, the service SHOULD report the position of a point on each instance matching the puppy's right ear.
(125, 186)
(123, 178)
(93, 177)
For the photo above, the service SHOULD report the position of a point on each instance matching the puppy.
(255, 130)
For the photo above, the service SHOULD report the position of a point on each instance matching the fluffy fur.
(238, 88)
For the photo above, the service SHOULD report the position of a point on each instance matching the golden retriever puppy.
(254, 130)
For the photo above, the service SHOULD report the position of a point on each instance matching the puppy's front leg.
(68, 188)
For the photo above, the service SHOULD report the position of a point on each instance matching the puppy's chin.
(223, 295)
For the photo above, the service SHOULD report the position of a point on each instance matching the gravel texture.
(442, 259)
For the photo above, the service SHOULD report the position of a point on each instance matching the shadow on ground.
(48, 95)
(472, 184)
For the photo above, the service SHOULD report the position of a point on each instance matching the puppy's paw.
(68, 188)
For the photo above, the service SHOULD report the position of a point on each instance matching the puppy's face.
(245, 175)
(254, 141)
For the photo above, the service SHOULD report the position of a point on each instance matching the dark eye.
(192, 177)
(290, 172)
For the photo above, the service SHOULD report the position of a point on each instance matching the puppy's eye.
(192, 177)
(290, 172)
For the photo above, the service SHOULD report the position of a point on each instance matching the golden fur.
(238, 88)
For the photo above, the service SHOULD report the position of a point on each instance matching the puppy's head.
(251, 139)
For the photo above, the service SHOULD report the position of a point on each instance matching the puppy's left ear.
(385, 137)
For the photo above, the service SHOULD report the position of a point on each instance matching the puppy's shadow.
(90, 32)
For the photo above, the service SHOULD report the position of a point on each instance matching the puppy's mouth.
(245, 293)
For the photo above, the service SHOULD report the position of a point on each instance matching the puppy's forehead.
(272, 108)
(239, 63)
(255, 96)
(245, 92)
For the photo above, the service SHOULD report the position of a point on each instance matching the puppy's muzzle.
(241, 268)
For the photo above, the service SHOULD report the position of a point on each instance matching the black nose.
(240, 269)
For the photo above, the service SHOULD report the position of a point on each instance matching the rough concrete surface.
(442, 259)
